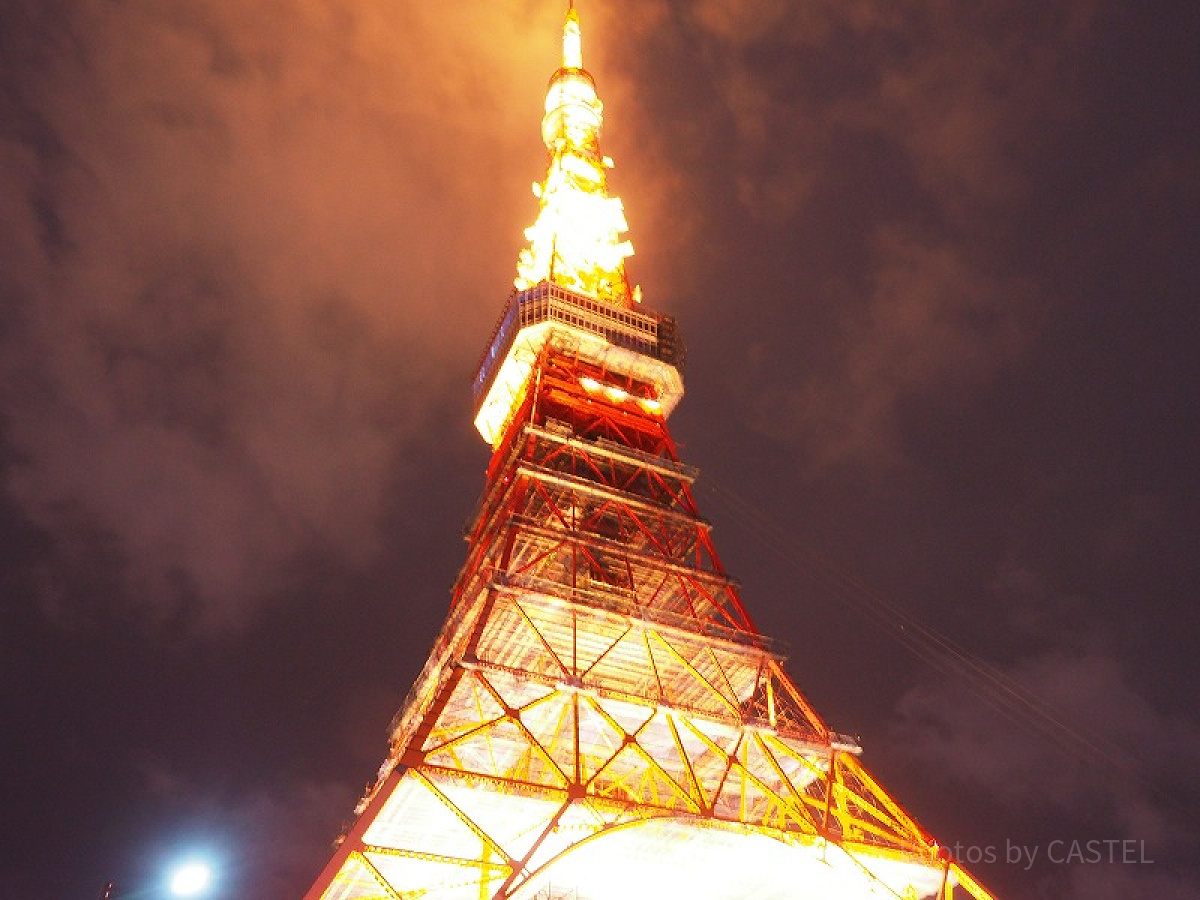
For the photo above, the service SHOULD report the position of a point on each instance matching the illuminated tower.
(599, 718)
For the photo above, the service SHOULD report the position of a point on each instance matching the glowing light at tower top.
(577, 240)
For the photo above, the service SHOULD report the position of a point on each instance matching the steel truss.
(599, 699)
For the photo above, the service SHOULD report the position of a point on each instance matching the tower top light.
(576, 241)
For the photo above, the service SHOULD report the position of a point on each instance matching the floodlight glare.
(190, 879)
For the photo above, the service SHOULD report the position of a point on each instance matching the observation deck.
(643, 347)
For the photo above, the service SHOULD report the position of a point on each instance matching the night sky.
(938, 268)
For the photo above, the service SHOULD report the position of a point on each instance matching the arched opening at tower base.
(671, 857)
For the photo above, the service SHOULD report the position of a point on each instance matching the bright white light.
(190, 879)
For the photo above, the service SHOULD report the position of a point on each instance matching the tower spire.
(572, 40)
(577, 239)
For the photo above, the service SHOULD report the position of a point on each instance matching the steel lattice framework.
(599, 718)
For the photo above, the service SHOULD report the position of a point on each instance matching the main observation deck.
(643, 347)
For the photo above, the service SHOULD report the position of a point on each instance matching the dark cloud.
(931, 117)
(930, 324)
(228, 279)
(1103, 765)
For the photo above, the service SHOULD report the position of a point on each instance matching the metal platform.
(643, 347)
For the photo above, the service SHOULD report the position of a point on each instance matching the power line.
(939, 651)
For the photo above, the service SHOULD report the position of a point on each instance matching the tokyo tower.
(599, 718)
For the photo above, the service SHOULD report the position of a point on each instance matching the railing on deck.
(651, 334)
